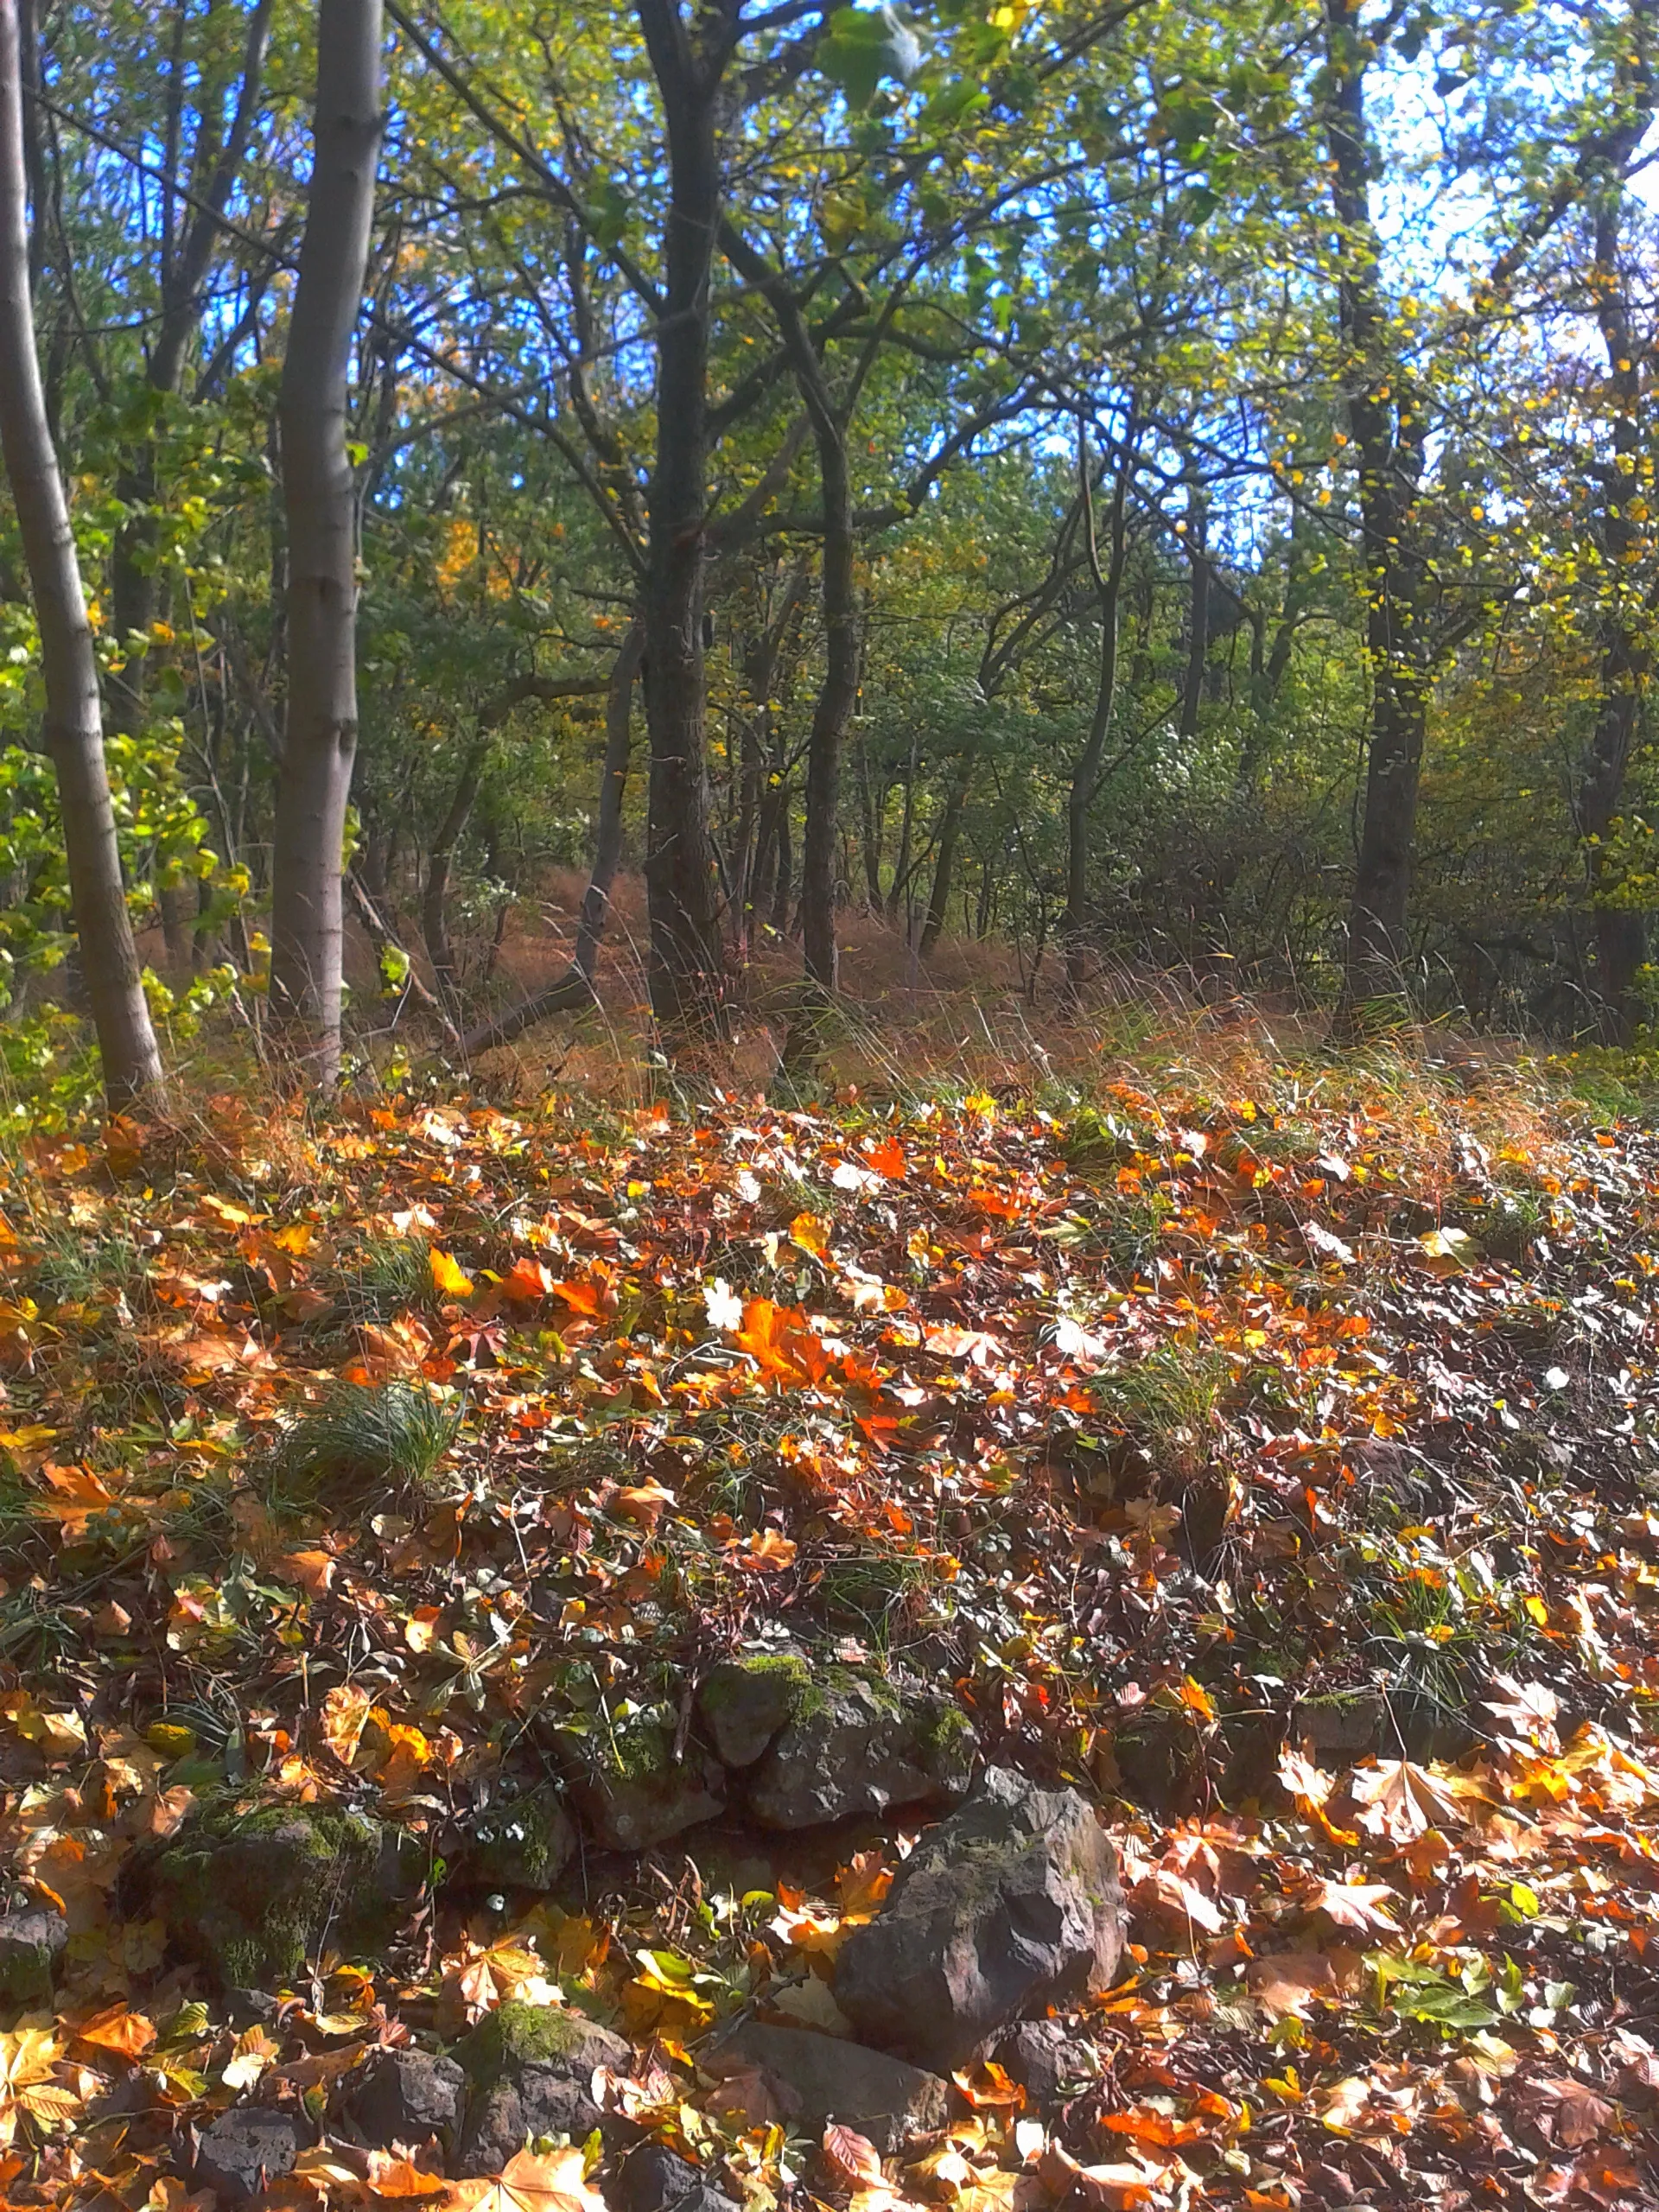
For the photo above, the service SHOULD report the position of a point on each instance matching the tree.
(319, 737)
(74, 736)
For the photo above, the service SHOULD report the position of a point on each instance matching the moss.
(943, 1732)
(519, 2035)
(726, 1682)
(253, 1894)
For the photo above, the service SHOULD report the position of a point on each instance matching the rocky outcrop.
(516, 1843)
(406, 2096)
(653, 2178)
(631, 1789)
(1010, 1904)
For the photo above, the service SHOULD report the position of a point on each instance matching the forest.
(1161, 491)
(829, 1164)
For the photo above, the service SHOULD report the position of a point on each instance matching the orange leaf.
(888, 1160)
(987, 2088)
(778, 1340)
(850, 2157)
(127, 2034)
(526, 1282)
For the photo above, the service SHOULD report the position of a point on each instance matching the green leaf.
(864, 45)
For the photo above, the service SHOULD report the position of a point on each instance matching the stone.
(820, 2078)
(653, 2178)
(516, 1843)
(854, 1745)
(634, 1793)
(531, 2069)
(243, 2143)
(1010, 1904)
(744, 1702)
(252, 1896)
(33, 1938)
(1045, 2060)
(405, 2096)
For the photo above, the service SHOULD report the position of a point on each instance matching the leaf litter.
(1282, 1473)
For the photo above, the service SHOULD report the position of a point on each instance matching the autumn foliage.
(1267, 1451)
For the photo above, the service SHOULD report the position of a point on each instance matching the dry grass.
(965, 1021)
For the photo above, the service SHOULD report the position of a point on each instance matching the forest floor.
(1263, 1444)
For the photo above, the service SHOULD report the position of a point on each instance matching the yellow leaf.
(451, 1280)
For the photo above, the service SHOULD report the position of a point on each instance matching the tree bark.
(1387, 424)
(575, 989)
(74, 736)
(945, 860)
(1197, 617)
(687, 961)
(319, 744)
(1626, 653)
(1086, 771)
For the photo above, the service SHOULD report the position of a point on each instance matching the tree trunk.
(944, 862)
(687, 966)
(1197, 618)
(575, 989)
(1626, 653)
(74, 736)
(319, 743)
(1387, 426)
(1086, 773)
(434, 927)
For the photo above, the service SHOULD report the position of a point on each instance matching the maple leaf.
(1526, 1711)
(552, 2182)
(1353, 1904)
(1289, 1981)
(723, 1306)
(1401, 1801)
(526, 1283)
(778, 1340)
(1312, 1788)
(127, 2034)
(768, 1553)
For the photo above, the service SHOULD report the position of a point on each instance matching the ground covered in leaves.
(1269, 1452)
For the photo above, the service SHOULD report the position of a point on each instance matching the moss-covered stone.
(630, 1789)
(857, 1743)
(515, 2035)
(531, 2068)
(745, 1701)
(32, 1940)
(517, 1843)
(252, 1895)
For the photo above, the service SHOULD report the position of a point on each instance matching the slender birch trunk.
(74, 733)
(320, 742)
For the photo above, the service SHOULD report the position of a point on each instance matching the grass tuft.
(385, 1432)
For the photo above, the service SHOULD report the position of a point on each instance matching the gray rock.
(744, 1702)
(517, 1843)
(854, 1745)
(1010, 1904)
(245, 2144)
(634, 1794)
(1043, 2057)
(652, 2178)
(531, 2069)
(820, 2078)
(33, 1938)
(404, 2096)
